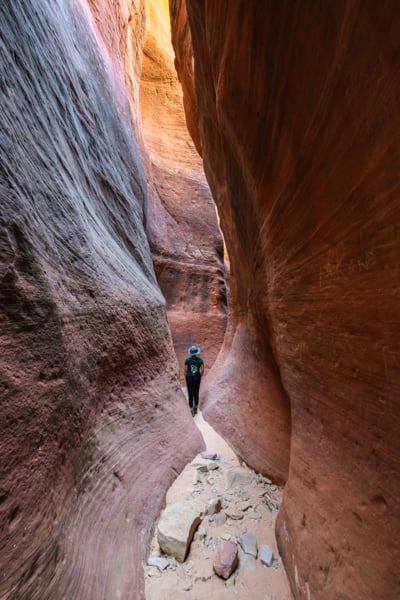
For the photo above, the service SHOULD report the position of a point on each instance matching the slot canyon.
(211, 172)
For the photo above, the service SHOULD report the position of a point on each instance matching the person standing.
(194, 369)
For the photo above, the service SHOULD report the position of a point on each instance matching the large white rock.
(177, 525)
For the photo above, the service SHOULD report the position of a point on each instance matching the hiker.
(194, 368)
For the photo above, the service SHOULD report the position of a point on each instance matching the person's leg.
(196, 387)
(189, 384)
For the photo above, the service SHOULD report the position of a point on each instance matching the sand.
(195, 579)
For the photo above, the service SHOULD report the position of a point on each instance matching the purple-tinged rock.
(226, 559)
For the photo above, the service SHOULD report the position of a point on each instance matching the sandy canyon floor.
(195, 579)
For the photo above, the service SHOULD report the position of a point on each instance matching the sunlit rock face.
(298, 126)
(245, 386)
(90, 399)
(182, 225)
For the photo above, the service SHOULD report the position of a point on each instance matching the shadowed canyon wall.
(90, 398)
(297, 115)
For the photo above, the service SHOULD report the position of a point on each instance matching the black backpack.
(194, 370)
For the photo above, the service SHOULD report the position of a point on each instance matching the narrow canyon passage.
(124, 125)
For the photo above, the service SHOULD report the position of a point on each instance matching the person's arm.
(201, 368)
(186, 368)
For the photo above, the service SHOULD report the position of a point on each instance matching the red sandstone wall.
(249, 372)
(298, 126)
(182, 226)
(90, 399)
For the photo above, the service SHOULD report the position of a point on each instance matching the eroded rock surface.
(297, 116)
(182, 225)
(89, 386)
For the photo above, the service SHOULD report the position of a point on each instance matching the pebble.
(210, 455)
(200, 533)
(234, 513)
(188, 565)
(226, 536)
(255, 516)
(244, 506)
(248, 542)
(212, 466)
(272, 501)
(220, 518)
(158, 561)
(196, 478)
(198, 489)
(188, 586)
(202, 468)
(154, 574)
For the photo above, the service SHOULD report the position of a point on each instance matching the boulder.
(177, 525)
(226, 559)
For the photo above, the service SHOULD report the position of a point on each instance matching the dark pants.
(193, 386)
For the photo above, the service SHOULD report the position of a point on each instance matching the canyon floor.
(195, 579)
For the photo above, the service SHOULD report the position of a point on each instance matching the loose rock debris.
(229, 523)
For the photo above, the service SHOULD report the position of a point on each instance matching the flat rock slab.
(212, 466)
(239, 476)
(177, 525)
(213, 506)
(266, 555)
(234, 513)
(158, 561)
(248, 542)
(210, 455)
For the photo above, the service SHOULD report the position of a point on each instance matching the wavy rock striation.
(297, 112)
(184, 236)
(90, 399)
(246, 375)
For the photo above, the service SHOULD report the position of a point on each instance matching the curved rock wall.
(184, 236)
(298, 128)
(246, 372)
(90, 399)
